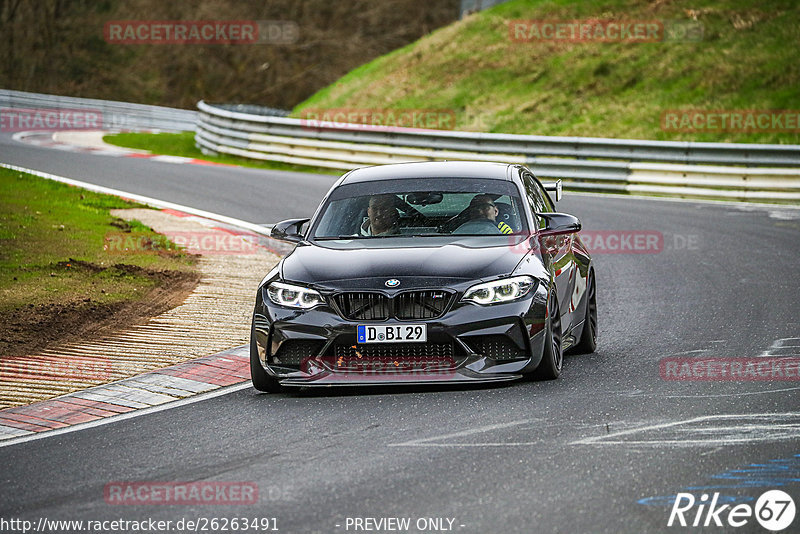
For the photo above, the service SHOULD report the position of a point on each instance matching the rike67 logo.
(774, 510)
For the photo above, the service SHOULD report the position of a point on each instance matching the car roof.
(430, 169)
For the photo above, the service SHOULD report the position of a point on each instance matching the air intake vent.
(496, 347)
(394, 357)
(293, 351)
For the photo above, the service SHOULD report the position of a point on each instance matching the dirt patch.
(29, 329)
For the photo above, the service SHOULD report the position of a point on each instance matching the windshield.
(422, 207)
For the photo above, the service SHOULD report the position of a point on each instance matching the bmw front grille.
(408, 305)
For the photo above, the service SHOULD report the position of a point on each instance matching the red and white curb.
(185, 383)
(146, 393)
(48, 139)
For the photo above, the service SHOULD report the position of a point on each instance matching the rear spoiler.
(553, 187)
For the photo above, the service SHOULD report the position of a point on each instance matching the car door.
(560, 250)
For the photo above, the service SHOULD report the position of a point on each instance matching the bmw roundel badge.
(392, 282)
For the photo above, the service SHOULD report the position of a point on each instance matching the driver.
(382, 216)
(482, 213)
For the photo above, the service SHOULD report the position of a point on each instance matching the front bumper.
(483, 344)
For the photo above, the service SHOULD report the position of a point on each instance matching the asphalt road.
(590, 452)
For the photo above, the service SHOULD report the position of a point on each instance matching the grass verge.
(739, 60)
(182, 144)
(58, 281)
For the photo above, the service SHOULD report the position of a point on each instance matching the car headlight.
(293, 296)
(504, 290)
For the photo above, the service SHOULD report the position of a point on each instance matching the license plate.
(404, 333)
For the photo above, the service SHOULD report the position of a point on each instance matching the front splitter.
(352, 379)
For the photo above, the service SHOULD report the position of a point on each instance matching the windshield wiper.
(382, 236)
(341, 237)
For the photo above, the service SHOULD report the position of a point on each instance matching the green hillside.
(745, 59)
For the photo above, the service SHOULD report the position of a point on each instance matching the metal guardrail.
(673, 168)
(684, 169)
(115, 115)
(252, 109)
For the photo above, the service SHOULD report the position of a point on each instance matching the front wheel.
(553, 357)
(261, 380)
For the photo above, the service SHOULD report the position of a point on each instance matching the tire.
(261, 380)
(588, 341)
(553, 357)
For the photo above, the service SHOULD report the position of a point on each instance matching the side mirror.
(559, 224)
(555, 188)
(288, 230)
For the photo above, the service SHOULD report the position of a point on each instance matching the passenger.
(482, 213)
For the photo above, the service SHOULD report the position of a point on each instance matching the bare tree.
(57, 46)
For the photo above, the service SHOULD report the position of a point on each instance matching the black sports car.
(425, 272)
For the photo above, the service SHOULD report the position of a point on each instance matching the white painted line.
(784, 351)
(696, 442)
(425, 442)
(153, 202)
(12, 431)
(499, 444)
(743, 394)
(609, 439)
(92, 140)
(19, 136)
(748, 428)
(781, 344)
(172, 159)
(698, 351)
(107, 152)
(129, 415)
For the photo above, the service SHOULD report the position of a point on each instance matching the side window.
(546, 199)
(536, 197)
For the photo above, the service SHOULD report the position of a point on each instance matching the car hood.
(417, 266)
